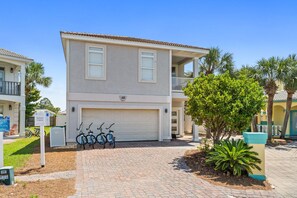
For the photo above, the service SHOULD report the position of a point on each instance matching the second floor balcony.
(179, 82)
(10, 88)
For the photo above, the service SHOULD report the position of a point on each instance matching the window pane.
(95, 58)
(147, 54)
(147, 74)
(147, 62)
(96, 49)
(95, 71)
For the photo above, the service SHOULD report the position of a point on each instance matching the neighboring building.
(134, 83)
(279, 109)
(12, 87)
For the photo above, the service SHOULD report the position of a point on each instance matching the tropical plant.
(234, 157)
(288, 75)
(250, 72)
(216, 62)
(268, 75)
(223, 104)
(34, 76)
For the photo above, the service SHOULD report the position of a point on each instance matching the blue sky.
(249, 29)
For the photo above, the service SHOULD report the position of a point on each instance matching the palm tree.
(288, 75)
(34, 76)
(215, 61)
(268, 71)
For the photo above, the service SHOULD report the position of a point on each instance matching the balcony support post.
(195, 67)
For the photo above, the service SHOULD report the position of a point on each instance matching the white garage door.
(130, 124)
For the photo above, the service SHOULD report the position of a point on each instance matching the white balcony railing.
(179, 82)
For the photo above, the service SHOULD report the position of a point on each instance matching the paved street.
(148, 169)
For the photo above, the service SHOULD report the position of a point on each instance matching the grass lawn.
(17, 153)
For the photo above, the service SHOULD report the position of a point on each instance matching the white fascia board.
(15, 60)
(132, 43)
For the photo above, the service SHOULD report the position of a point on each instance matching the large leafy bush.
(234, 157)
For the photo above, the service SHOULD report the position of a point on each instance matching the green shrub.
(234, 157)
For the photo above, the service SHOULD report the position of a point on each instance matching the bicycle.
(101, 139)
(91, 139)
(110, 137)
(81, 138)
(29, 133)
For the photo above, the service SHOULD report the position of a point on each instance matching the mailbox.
(7, 175)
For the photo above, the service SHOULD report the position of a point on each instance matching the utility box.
(57, 136)
(7, 175)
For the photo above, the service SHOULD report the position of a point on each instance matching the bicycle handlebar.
(100, 126)
(110, 126)
(79, 126)
(89, 126)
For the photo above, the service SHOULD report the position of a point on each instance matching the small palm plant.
(234, 157)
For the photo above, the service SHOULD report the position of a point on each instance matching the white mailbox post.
(40, 120)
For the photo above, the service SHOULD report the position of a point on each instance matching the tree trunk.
(208, 133)
(254, 123)
(288, 109)
(269, 115)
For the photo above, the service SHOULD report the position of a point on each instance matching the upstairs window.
(95, 62)
(147, 66)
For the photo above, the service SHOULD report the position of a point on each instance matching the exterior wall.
(75, 117)
(180, 70)
(121, 72)
(279, 114)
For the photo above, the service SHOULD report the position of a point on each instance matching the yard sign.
(4, 127)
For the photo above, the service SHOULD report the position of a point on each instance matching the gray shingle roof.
(12, 54)
(132, 39)
(282, 95)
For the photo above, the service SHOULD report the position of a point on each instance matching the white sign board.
(40, 118)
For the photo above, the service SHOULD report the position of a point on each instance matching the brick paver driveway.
(281, 169)
(148, 169)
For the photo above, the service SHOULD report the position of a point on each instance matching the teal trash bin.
(7, 175)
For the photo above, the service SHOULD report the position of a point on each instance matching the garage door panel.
(140, 124)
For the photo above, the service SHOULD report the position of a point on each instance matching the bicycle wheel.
(28, 133)
(91, 140)
(111, 140)
(81, 139)
(101, 139)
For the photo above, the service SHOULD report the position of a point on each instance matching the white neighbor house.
(12, 88)
(135, 83)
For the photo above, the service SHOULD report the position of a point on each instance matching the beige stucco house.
(12, 88)
(134, 83)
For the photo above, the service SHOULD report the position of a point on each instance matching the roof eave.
(65, 36)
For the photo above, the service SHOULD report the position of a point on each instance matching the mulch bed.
(50, 188)
(195, 159)
(56, 159)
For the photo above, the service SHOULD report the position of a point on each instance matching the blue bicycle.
(110, 137)
(91, 139)
(101, 139)
(81, 138)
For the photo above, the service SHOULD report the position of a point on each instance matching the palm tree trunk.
(269, 115)
(288, 109)
(254, 124)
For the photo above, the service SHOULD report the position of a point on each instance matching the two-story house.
(12, 88)
(134, 83)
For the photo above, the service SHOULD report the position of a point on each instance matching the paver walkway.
(281, 169)
(149, 169)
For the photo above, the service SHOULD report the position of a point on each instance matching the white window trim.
(140, 66)
(87, 61)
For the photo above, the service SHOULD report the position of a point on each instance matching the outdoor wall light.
(10, 107)
(11, 70)
(166, 110)
(73, 109)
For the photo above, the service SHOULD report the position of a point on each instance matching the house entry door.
(293, 123)
(174, 121)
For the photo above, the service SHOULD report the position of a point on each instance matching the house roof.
(132, 39)
(282, 96)
(5, 52)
